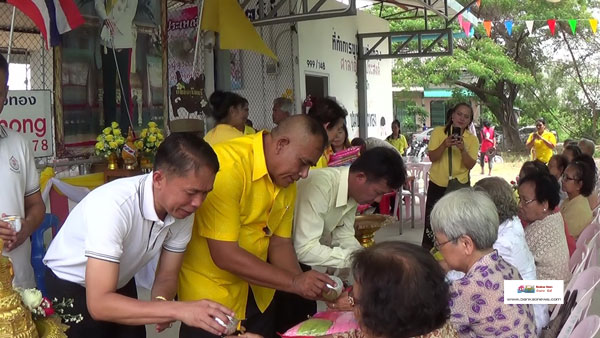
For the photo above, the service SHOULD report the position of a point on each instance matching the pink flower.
(48, 312)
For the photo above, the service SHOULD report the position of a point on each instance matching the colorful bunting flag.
(509, 26)
(466, 26)
(594, 25)
(573, 24)
(460, 20)
(552, 25)
(478, 3)
(488, 27)
(529, 24)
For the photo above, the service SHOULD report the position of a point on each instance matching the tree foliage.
(496, 69)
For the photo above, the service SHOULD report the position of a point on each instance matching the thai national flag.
(52, 17)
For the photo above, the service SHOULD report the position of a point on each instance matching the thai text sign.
(29, 113)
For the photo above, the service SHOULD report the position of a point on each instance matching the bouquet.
(150, 138)
(41, 307)
(110, 141)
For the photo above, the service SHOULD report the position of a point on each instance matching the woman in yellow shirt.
(397, 139)
(578, 182)
(332, 116)
(461, 148)
(230, 110)
(541, 141)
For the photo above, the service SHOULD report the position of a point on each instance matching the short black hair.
(586, 173)
(4, 66)
(305, 123)
(403, 292)
(326, 110)
(573, 148)
(561, 161)
(221, 102)
(533, 167)
(358, 142)
(180, 153)
(547, 188)
(486, 123)
(396, 122)
(542, 120)
(381, 163)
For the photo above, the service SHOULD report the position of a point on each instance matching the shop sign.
(30, 113)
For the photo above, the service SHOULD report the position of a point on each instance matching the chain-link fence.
(30, 62)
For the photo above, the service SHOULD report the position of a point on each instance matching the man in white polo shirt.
(120, 226)
(326, 204)
(20, 194)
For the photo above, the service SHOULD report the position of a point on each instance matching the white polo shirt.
(117, 223)
(19, 179)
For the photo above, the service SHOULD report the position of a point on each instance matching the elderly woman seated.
(465, 225)
(399, 291)
(511, 243)
(545, 232)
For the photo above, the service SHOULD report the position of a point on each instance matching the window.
(438, 113)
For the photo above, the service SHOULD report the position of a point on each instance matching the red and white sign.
(29, 112)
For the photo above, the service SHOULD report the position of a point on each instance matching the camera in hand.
(456, 132)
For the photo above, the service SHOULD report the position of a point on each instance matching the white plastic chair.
(587, 328)
(578, 260)
(586, 235)
(577, 314)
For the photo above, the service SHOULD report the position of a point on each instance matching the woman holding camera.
(453, 153)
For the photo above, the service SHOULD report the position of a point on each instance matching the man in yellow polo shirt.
(241, 250)
(542, 141)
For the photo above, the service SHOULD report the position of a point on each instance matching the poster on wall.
(110, 70)
(236, 69)
(29, 112)
(187, 90)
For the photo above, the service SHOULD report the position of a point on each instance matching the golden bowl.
(366, 225)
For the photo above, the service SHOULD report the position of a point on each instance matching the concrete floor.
(390, 233)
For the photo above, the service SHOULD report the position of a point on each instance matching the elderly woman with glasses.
(578, 182)
(545, 234)
(541, 142)
(465, 224)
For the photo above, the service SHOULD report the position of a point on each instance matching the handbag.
(454, 183)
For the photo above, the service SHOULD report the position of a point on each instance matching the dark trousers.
(88, 327)
(292, 309)
(255, 322)
(109, 79)
(434, 193)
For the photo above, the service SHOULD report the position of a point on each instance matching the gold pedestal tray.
(366, 225)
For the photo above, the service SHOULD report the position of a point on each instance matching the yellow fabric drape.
(90, 181)
(235, 30)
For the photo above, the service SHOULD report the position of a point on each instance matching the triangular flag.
(573, 24)
(529, 24)
(594, 25)
(478, 3)
(552, 25)
(488, 27)
(509, 25)
(472, 30)
(460, 20)
(235, 29)
(466, 26)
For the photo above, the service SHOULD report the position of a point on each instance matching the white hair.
(284, 104)
(587, 146)
(466, 212)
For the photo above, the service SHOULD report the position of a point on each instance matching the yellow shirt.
(542, 151)
(398, 143)
(577, 214)
(438, 173)
(245, 207)
(324, 159)
(222, 132)
(249, 130)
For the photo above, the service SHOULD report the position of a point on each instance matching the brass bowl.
(366, 225)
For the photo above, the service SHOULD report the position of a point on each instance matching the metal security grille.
(30, 62)
(264, 79)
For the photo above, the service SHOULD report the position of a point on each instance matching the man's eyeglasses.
(524, 201)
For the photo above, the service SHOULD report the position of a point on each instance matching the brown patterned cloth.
(548, 244)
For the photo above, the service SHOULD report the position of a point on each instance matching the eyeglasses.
(525, 202)
(438, 245)
(567, 178)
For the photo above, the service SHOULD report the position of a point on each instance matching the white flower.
(32, 298)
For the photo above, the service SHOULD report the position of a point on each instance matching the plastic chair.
(587, 328)
(584, 282)
(577, 314)
(578, 259)
(586, 235)
(38, 250)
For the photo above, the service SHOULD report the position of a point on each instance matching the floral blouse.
(477, 302)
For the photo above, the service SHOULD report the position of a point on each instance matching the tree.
(497, 68)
